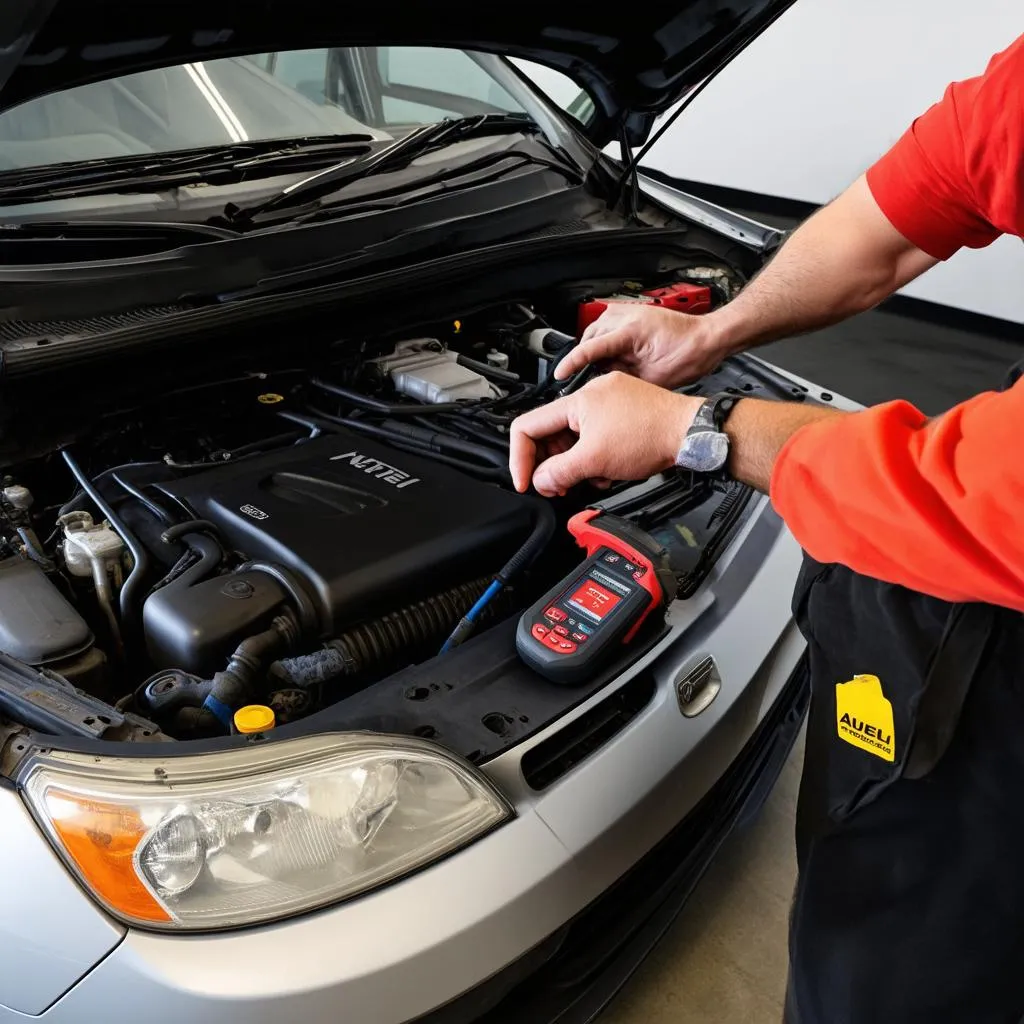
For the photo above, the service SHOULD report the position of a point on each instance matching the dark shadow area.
(883, 354)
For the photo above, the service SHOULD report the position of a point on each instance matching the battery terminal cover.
(424, 370)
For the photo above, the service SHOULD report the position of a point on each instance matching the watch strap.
(713, 413)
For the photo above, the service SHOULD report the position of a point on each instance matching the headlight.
(227, 839)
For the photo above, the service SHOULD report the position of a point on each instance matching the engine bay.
(293, 537)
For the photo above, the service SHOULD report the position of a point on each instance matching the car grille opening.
(549, 760)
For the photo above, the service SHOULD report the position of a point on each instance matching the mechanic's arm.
(933, 505)
(843, 260)
(952, 180)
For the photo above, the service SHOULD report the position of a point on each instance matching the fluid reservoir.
(254, 718)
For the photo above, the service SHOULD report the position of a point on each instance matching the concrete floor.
(724, 961)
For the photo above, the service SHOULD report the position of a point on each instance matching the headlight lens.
(248, 835)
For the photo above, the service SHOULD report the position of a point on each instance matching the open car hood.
(634, 63)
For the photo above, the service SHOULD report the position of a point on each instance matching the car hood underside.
(634, 65)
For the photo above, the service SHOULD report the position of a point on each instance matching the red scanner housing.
(580, 625)
(652, 575)
(683, 297)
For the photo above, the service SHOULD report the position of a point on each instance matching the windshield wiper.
(416, 143)
(182, 167)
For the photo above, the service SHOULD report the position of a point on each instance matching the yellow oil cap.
(254, 718)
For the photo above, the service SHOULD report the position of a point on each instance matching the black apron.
(909, 907)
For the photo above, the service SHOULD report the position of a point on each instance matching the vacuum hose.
(131, 592)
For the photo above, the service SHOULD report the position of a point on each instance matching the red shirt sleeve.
(935, 505)
(955, 177)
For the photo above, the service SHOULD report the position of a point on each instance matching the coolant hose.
(210, 553)
(131, 592)
(237, 684)
(543, 529)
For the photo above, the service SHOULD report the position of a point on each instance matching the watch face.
(705, 451)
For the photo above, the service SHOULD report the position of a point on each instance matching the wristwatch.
(705, 448)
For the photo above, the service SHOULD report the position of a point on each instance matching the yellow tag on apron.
(864, 716)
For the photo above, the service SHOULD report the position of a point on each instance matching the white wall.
(827, 89)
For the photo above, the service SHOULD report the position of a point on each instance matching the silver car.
(274, 742)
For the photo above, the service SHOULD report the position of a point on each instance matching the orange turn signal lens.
(101, 839)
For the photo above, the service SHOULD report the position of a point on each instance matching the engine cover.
(366, 527)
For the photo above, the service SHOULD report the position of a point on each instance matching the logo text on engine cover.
(253, 512)
(381, 470)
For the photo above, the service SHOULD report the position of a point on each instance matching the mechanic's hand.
(614, 428)
(650, 342)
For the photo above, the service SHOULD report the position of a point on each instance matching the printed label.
(864, 716)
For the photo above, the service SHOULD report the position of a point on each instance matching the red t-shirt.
(936, 505)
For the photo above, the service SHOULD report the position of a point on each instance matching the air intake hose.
(379, 644)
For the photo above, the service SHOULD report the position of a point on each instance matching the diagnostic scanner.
(581, 624)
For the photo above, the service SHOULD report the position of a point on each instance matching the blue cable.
(469, 619)
(485, 599)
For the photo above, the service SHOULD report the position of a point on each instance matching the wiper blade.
(416, 143)
(69, 232)
(181, 167)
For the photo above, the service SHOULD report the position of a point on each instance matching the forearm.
(759, 430)
(843, 260)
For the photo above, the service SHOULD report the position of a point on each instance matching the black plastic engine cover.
(368, 528)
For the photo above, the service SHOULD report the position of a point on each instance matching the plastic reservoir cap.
(254, 718)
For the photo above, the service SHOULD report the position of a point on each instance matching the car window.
(304, 70)
(396, 87)
(439, 79)
(383, 91)
(559, 88)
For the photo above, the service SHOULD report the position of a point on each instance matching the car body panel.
(50, 932)
(731, 225)
(633, 68)
(491, 903)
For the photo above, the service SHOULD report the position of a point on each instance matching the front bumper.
(575, 973)
(416, 946)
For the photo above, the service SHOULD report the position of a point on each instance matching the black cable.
(432, 437)
(478, 431)
(634, 192)
(131, 596)
(172, 533)
(544, 523)
(73, 503)
(485, 472)
(162, 514)
(434, 445)
(486, 370)
(376, 405)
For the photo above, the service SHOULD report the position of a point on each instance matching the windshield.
(385, 92)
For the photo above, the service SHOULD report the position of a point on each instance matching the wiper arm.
(149, 170)
(415, 144)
